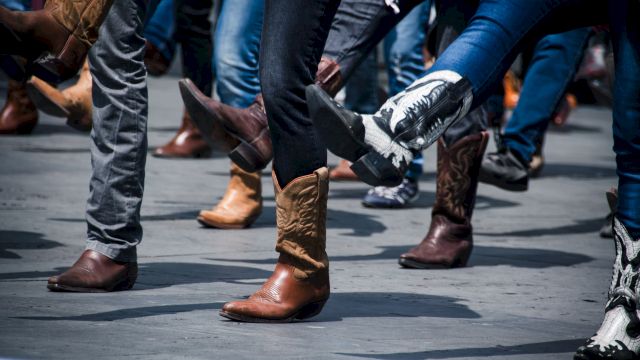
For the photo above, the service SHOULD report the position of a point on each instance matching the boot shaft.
(82, 18)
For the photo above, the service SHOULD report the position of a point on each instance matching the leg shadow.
(22, 240)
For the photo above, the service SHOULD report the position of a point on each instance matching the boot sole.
(518, 186)
(45, 103)
(308, 311)
(204, 154)
(123, 285)
(370, 166)
(243, 154)
(211, 224)
(412, 264)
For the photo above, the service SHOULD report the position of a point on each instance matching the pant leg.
(556, 59)
(626, 110)
(193, 33)
(293, 36)
(362, 88)
(119, 134)
(160, 28)
(237, 42)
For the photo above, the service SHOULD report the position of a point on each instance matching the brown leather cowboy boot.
(74, 103)
(94, 272)
(56, 39)
(187, 143)
(449, 241)
(19, 115)
(241, 204)
(299, 285)
(343, 172)
(249, 126)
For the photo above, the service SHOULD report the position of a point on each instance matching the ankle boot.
(56, 39)
(619, 335)
(74, 103)
(252, 150)
(241, 204)
(19, 115)
(449, 241)
(299, 285)
(381, 145)
(188, 142)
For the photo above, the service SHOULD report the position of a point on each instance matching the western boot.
(74, 103)
(343, 172)
(19, 115)
(94, 272)
(188, 142)
(619, 335)
(252, 150)
(299, 285)
(56, 39)
(241, 204)
(382, 145)
(606, 231)
(449, 241)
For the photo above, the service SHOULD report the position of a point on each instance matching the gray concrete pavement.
(535, 287)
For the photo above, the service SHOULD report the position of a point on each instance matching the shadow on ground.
(549, 347)
(573, 171)
(579, 227)
(23, 240)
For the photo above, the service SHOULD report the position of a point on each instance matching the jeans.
(119, 134)
(16, 5)
(237, 42)
(500, 29)
(161, 28)
(555, 60)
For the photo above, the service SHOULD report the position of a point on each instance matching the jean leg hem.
(121, 255)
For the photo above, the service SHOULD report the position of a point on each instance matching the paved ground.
(535, 287)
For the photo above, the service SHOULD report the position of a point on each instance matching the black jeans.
(193, 33)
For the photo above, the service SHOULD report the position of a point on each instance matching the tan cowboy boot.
(299, 285)
(241, 204)
(186, 143)
(449, 241)
(57, 38)
(74, 103)
(19, 115)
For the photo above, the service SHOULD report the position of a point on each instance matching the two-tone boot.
(19, 115)
(248, 126)
(73, 103)
(382, 145)
(55, 40)
(188, 142)
(619, 335)
(299, 285)
(449, 242)
(241, 204)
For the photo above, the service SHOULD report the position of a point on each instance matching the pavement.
(535, 287)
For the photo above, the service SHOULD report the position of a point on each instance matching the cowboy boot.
(299, 285)
(74, 103)
(381, 145)
(606, 231)
(188, 142)
(249, 126)
(241, 204)
(94, 272)
(449, 241)
(619, 335)
(19, 115)
(343, 172)
(56, 39)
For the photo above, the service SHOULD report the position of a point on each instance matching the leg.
(160, 34)
(118, 154)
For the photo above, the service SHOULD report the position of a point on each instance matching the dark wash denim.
(501, 28)
(555, 60)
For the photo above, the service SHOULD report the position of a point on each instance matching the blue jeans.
(501, 28)
(16, 5)
(161, 28)
(237, 46)
(555, 61)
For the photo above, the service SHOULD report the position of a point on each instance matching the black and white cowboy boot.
(382, 145)
(619, 335)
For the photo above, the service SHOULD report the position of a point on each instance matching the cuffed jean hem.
(121, 255)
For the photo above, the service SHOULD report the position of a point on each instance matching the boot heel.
(375, 170)
(310, 310)
(247, 158)
(55, 69)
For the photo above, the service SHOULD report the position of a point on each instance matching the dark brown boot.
(249, 126)
(449, 241)
(19, 115)
(56, 39)
(299, 285)
(187, 143)
(94, 272)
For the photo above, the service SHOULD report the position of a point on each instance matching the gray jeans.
(119, 135)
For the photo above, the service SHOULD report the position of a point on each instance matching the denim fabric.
(16, 5)
(161, 27)
(555, 61)
(237, 42)
(193, 33)
(118, 137)
(361, 91)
